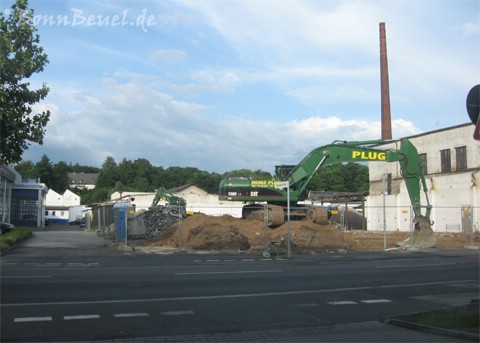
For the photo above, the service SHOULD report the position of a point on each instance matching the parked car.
(6, 227)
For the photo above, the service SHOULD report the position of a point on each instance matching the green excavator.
(174, 205)
(256, 192)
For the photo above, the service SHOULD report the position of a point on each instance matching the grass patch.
(13, 237)
(462, 318)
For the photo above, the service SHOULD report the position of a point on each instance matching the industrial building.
(450, 159)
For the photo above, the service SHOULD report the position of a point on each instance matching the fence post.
(180, 235)
(384, 182)
(266, 249)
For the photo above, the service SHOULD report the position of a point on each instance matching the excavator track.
(276, 215)
(317, 215)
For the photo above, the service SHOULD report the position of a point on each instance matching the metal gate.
(467, 219)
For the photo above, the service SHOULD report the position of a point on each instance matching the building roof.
(82, 178)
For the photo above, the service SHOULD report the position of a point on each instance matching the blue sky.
(222, 85)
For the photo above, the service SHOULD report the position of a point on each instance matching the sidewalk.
(356, 332)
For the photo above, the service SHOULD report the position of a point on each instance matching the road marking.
(231, 272)
(80, 264)
(129, 315)
(416, 265)
(305, 305)
(177, 313)
(232, 260)
(236, 296)
(376, 301)
(81, 316)
(345, 302)
(32, 319)
(26, 277)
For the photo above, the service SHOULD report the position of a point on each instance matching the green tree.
(143, 171)
(21, 56)
(26, 169)
(349, 177)
(126, 172)
(44, 171)
(60, 177)
(108, 174)
(257, 174)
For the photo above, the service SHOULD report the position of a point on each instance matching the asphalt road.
(70, 286)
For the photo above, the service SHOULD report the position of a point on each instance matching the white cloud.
(169, 55)
(471, 28)
(133, 121)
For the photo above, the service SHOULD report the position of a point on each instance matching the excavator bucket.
(422, 236)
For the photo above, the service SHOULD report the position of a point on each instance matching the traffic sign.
(282, 184)
(476, 133)
(473, 110)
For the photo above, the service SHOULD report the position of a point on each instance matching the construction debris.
(159, 218)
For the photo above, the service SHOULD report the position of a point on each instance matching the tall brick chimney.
(384, 86)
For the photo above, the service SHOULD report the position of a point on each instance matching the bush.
(13, 237)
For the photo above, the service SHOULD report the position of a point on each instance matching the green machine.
(254, 192)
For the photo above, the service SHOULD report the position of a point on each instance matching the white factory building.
(451, 161)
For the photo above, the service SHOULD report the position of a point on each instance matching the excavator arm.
(364, 151)
(162, 194)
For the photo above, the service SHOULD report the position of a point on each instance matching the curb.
(431, 329)
(398, 321)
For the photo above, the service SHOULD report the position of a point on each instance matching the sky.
(223, 85)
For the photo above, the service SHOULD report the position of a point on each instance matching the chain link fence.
(461, 220)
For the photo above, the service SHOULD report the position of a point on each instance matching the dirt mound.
(226, 233)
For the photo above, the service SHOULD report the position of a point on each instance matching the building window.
(461, 157)
(423, 163)
(445, 160)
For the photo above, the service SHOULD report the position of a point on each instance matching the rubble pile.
(158, 218)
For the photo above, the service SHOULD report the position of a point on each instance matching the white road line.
(248, 260)
(212, 260)
(376, 301)
(237, 295)
(305, 305)
(345, 302)
(416, 265)
(177, 313)
(231, 272)
(129, 315)
(32, 319)
(81, 316)
(26, 277)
